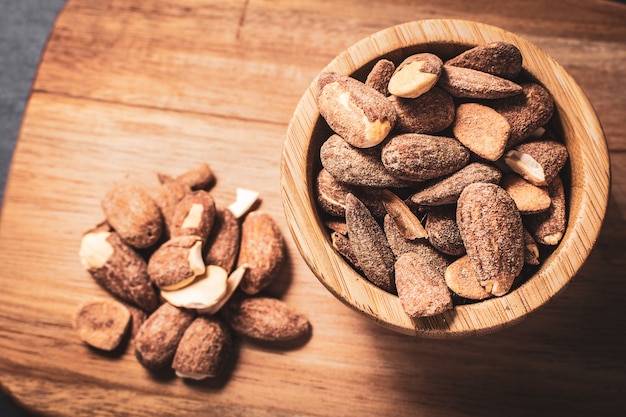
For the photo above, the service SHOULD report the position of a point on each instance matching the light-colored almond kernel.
(481, 129)
(462, 280)
(416, 75)
(407, 222)
(528, 198)
(204, 292)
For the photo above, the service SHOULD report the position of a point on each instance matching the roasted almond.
(358, 167)
(430, 113)
(549, 226)
(159, 335)
(331, 196)
(525, 112)
(266, 319)
(416, 75)
(379, 76)
(421, 287)
(102, 323)
(342, 244)
(462, 280)
(497, 58)
(469, 83)
(203, 350)
(447, 190)
(420, 157)
(369, 244)
(194, 215)
(492, 232)
(538, 162)
(443, 232)
(360, 114)
(481, 129)
(528, 198)
(262, 251)
(222, 246)
(177, 262)
(134, 215)
(117, 268)
(408, 224)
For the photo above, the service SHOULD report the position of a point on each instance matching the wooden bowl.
(587, 182)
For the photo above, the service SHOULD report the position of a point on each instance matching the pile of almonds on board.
(184, 274)
(440, 182)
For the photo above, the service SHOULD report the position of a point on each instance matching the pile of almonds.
(441, 180)
(184, 274)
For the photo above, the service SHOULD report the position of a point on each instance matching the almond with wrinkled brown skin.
(538, 162)
(493, 235)
(448, 189)
(528, 198)
(203, 350)
(194, 215)
(481, 129)
(430, 113)
(378, 78)
(401, 245)
(525, 112)
(357, 167)
(360, 114)
(266, 319)
(201, 177)
(102, 323)
(419, 157)
(222, 246)
(159, 335)
(443, 232)
(331, 196)
(548, 227)
(134, 215)
(421, 287)
(370, 245)
(342, 244)
(416, 75)
(118, 268)
(167, 197)
(177, 262)
(262, 249)
(497, 58)
(468, 83)
(462, 280)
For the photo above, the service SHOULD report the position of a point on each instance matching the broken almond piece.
(244, 201)
(203, 293)
(531, 250)
(117, 268)
(200, 177)
(549, 226)
(416, 75)
(407, 222)
(481, 129)
(537, 162)
(102, 323)
(360, 114)
(232, 283)
(203, 350)
(463, 281)
(177, 262)
(528, 198)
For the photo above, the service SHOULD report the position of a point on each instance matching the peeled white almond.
(203, 293)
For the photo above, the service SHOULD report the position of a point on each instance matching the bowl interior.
(587, 180)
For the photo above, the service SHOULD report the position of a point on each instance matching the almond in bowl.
(505, 93)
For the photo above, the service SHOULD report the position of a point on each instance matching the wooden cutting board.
(128, 88)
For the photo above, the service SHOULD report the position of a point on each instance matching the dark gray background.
(24, 29)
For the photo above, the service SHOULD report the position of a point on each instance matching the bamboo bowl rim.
(588, 191)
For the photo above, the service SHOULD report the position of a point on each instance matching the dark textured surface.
(24, 29)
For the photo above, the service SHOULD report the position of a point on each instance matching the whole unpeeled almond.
(468, 83)
(102, 323)
(481, 129)
(491, 228)
(177, 262)
(497, 58)
(262, 250)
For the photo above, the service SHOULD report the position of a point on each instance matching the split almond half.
(205, 292)
(409, 225)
